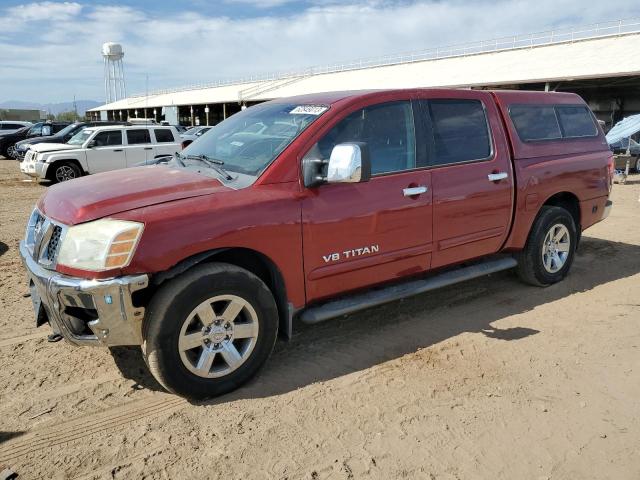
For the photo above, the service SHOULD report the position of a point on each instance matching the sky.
(51, 50)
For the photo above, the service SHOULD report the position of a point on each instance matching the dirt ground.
(485, 380)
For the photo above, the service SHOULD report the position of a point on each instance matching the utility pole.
(75, 109)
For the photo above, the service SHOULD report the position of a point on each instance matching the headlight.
(100, 245)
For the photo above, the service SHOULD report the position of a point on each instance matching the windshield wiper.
(212, 162)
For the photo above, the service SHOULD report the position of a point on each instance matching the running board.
(344, 306)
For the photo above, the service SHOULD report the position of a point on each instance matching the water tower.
(114, 87)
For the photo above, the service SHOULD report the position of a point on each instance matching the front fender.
(80, 159)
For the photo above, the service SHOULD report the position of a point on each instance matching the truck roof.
(508, 96)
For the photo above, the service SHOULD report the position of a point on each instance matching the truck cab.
(309, 208)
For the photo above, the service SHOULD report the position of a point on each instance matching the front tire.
(64, 171)
(550, 248)
(11, 151)
(209, 330)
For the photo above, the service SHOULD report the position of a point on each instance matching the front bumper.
(34, 169)
(87, 312)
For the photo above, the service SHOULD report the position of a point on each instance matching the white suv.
(100, 149)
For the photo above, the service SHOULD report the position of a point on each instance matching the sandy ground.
(488, 379)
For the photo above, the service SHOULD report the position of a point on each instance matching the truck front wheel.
(550, 248)
(209, 330)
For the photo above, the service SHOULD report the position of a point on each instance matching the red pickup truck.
(308, 208)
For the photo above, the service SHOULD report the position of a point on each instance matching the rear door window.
(460, 131)
(164, 135)
(138, 136)
(576, 122)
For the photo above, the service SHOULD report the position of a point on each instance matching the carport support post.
(206, 111)
(224, 111)
(192, 123)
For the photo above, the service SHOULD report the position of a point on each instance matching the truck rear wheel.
(550, 248)
(209, 330)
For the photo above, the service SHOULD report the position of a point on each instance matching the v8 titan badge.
(355, 252)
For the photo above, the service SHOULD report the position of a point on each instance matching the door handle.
(496, 177)
(118, 150)
(148, 148)
(412, 191)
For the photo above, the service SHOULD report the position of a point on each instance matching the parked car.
(203, 260)
(180, 128)
(63, 136)
(99, 149)
(620, 149)
(193, 134)
(40, 129)
(11, 126)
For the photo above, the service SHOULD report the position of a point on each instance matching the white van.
(100, 149)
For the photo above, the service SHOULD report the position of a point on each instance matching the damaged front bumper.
(86, 312)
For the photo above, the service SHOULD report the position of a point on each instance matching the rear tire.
(209, 330)
(64, 171)
(550, 248)
(638, 164)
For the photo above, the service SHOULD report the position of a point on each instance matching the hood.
(97, 196)
(50, 147)
(38, 140)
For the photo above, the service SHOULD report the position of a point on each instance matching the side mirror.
(91, 144)
(349, 163)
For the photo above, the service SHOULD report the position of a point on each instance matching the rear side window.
(108, 138)
(138, 136)
(163, 135)
(552, 122)
(576, 122)
(460, 131)
(11, 126)
(535, 122)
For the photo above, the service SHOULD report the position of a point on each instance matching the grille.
(43, 239)
(54, 244)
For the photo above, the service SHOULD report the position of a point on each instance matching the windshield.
(67, 129)
(192, 130)
(36, 129)
(250, 140)
(80, 137)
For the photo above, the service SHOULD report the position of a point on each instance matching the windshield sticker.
(309, 110)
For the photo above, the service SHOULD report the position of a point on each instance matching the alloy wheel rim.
(11, 151)
(218, 336)
(556, 248)
(65, 173)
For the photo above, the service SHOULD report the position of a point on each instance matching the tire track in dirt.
(7, 342)
(76, 429)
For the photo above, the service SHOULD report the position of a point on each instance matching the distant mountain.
(55, 108)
